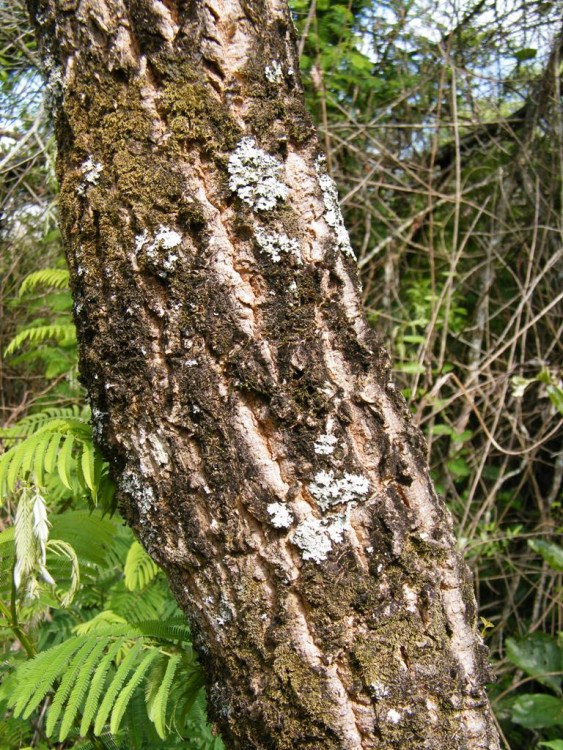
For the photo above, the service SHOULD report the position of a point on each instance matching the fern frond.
(61, 445)
(115, 686)
(127, 692)
(80, 688)
(175, 629)
(157, 702)
(54, 277)
(140, 568)
(38, 675)
(97, 684)
(50, 459)
(91, 536)
(87, 465)
(62, 333)
(70, 676)
(64, 461)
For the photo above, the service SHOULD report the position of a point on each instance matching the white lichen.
(141, 240)
(254, 176)
(315, 537)
(379, 690)
(91, 171)
(329, 491)
(393, 716)
(167, 238)
(274, 72)
(312, 539)
(280, 515)
(325, 444)
(411, 599)
(275, 245)
(164, 239)
(336, 526)
(333, 214)
(131, 484)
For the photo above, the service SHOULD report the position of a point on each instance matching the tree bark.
(264, 457)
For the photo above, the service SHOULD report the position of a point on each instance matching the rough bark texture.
(264, 457)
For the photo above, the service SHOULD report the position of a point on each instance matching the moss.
(193, 113)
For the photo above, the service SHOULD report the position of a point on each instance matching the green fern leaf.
(115, 686)
(55, 277)
(156, 706)
(18, 456)
(97, 684)
(79, 690)
(36, 677)
(127, 692)
(91, 536)
(61, 332)
(68, 679)
(139, 568)
(87, 464)
(64, 461)
(52, 453)
(34, 454)
(39, 461)
(175, 629)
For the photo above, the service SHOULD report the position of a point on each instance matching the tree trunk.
(264, 457)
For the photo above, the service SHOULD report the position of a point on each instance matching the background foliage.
(444, 131)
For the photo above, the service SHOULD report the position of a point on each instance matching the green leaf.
(156, 707)
(71, 673)
(87, 463)
(553, 744)
(537, 654)
(51, 453)
(97, 684)
(536, 710)
(139, 568)
(414, 339)
(115, 686)
(458, 467)
(556, 396)
(64, 461)
(527, 53)
(411, 368)
(80, 688)
(552, 553)
(38, 675)
(127, 692)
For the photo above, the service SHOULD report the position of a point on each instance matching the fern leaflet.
(63, 333)
(140, 569)
(96, 687)
(125, 695)
(69, 678)
(156, 703)
(55, 277)
(115, 686)
(80, 688)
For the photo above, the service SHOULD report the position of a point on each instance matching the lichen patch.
(324, 445)
(276, 245)
(329, 491)
(333, 214)
(274, 72)
(91, 171)
(280, 515)
(315, 537)
(254, 176)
